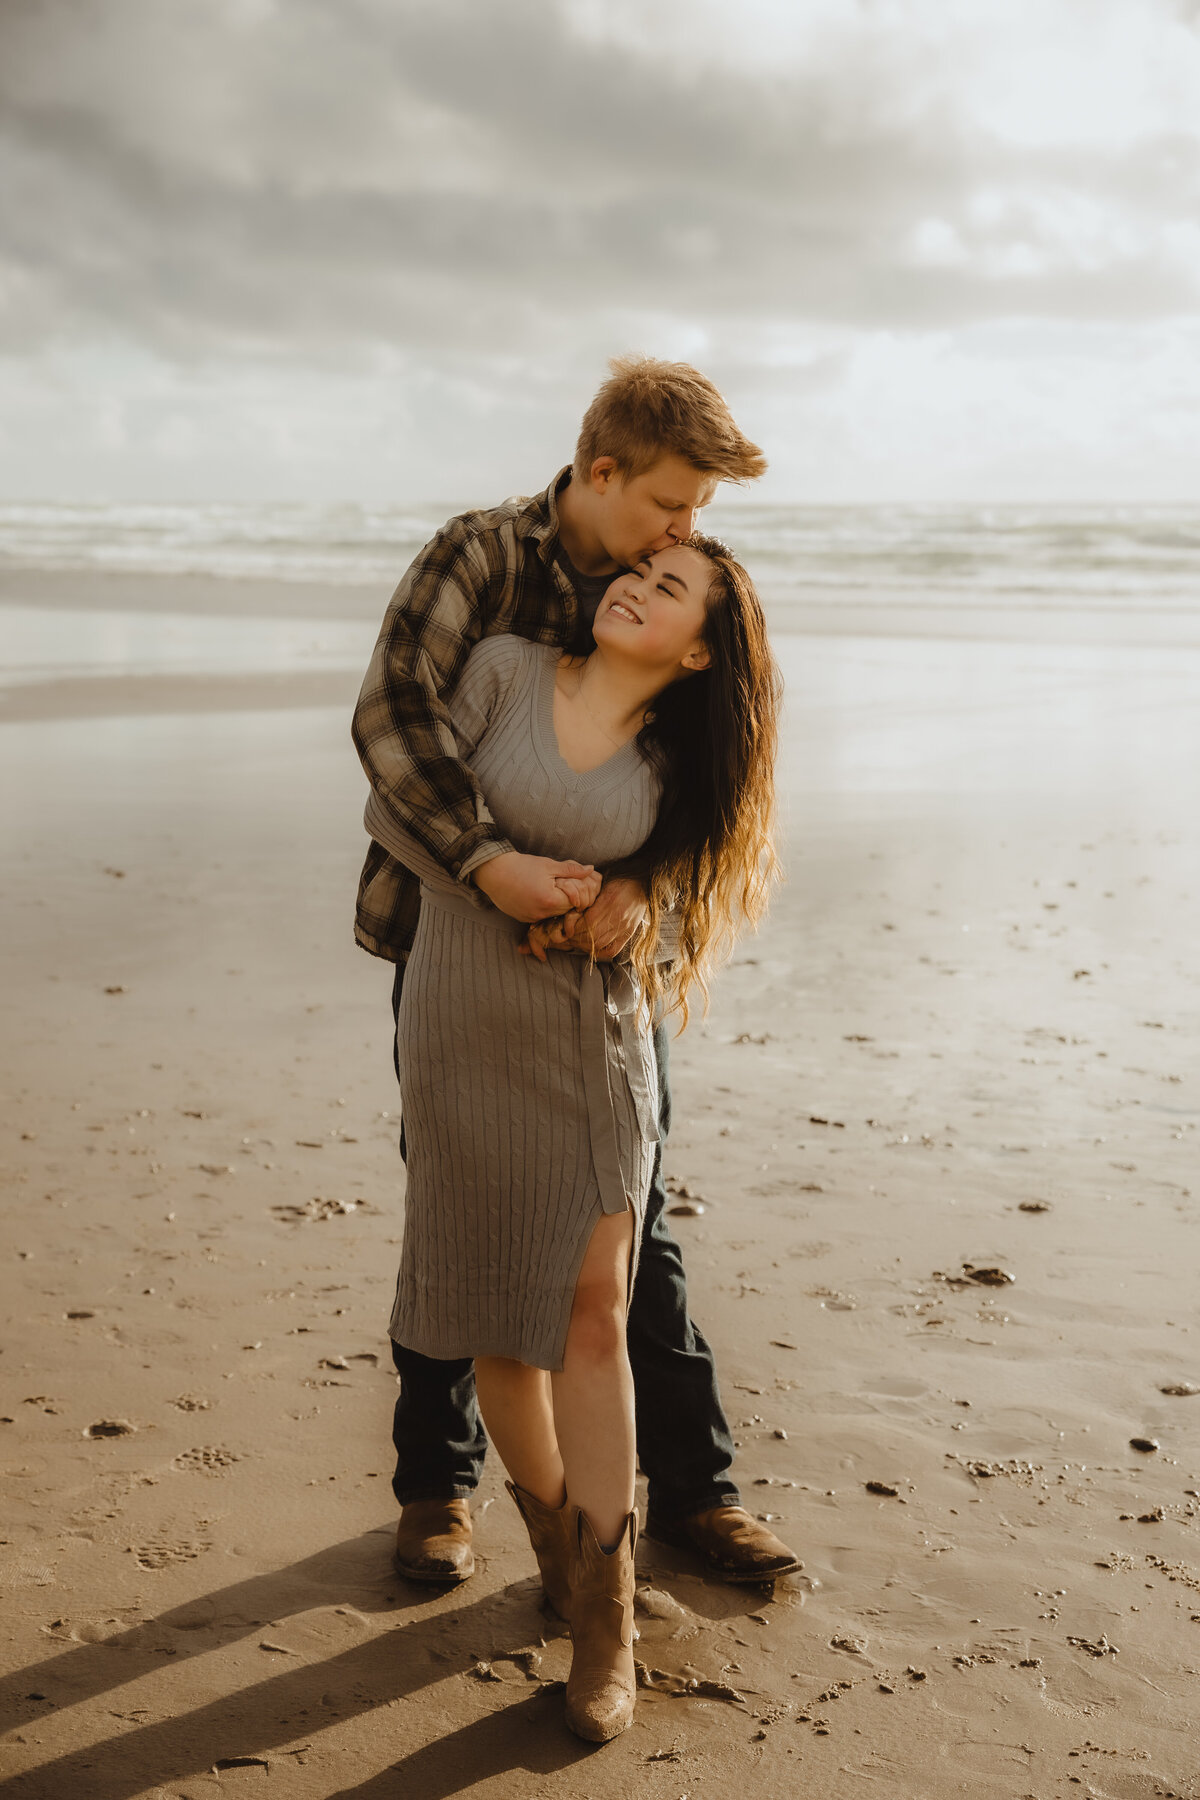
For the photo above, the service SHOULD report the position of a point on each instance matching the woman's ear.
(696, 658)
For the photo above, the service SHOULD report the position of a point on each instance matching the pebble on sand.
(981, 1274)
(1095, 1647)
(320, 1207)
(989, 1276)
(660, 1681)
(106, 1428)
(686, 1203)
(657, 1604)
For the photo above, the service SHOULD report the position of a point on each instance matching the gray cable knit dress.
(529, 1090)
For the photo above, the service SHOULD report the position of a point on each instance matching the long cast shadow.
(530, 1735)
(275, 1712)
(353, 1572)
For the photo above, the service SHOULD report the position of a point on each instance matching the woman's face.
(654, 615)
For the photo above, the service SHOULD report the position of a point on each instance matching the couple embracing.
(569, 727)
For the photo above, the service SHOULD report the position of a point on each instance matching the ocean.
(870, 566)
(975, 649)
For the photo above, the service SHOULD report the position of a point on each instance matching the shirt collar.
(538, 518)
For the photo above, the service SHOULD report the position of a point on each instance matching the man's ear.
(604, 472)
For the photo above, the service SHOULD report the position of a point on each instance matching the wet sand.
(965, 1042)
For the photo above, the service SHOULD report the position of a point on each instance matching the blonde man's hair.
(648, 409)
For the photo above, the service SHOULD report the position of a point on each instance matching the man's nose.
(681, 528)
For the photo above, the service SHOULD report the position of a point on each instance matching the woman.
(528, 1081)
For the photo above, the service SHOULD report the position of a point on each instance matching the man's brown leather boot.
(602, 1685)
(433, 1541)
(548, 1533)
(731, 1543)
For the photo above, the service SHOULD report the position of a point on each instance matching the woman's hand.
(529, 888)
(601, 930)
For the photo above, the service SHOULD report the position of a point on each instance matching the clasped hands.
(566, 905)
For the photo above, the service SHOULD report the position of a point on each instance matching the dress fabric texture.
(529, 1090)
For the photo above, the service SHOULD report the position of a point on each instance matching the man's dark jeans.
(683, 1440)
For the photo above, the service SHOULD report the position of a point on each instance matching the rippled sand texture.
(963, 1050)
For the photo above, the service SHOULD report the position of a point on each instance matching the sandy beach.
(941, 1120)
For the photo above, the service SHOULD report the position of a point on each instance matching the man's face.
(642, 514)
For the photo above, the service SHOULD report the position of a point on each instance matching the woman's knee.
(597, 1330)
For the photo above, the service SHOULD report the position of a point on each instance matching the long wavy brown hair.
(710, 860)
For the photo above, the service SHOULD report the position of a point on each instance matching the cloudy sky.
(381, 249)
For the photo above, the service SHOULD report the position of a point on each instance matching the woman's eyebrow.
(667, 576)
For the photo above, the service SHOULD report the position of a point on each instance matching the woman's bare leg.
(593, 1392)
(575, 1427)
(515, 1402)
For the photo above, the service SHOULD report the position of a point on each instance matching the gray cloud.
(240, 178)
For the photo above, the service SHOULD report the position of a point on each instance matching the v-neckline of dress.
(547, 737)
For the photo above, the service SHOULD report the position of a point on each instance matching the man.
(654, 444)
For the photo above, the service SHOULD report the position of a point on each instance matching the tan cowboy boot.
(601, 1687)
(547, 1528)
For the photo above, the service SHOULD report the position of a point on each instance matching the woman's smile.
(623, 611)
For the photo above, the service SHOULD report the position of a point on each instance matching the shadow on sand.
(526, 1734)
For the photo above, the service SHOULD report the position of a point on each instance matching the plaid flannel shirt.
(484, 573)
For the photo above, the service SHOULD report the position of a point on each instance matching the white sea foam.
(1091, 552)
(338, 543)
(982, 570)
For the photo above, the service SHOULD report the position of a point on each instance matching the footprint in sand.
(164, 1553)
(210, 1459)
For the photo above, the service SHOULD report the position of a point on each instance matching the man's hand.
(548, 934)
(535, 887)
(601, 930)
(613, 920)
